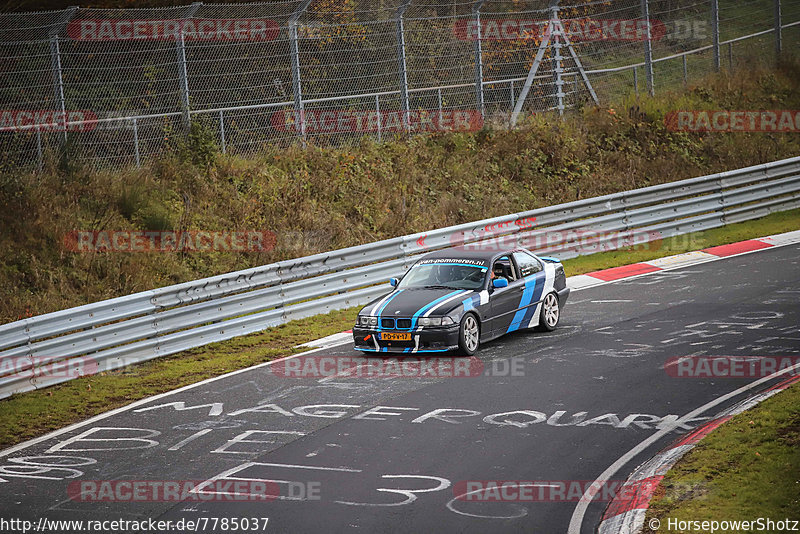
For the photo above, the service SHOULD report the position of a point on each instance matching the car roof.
(460, 252)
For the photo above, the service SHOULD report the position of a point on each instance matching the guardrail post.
(778, 29)
(222, 131)
(183, 73)
(136, 142)
(648, 49)
(715, 33)
(476, 10)
(299, 109)
(401, 57)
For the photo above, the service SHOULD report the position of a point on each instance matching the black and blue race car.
(458, 299)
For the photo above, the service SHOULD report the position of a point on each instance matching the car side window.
(504, 268)
(528, 265)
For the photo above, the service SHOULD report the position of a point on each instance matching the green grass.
(773, 224)
(746, 469)
(34, 413)
(319, 199)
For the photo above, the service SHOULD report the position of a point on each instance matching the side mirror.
(394, 281)
(499, 282)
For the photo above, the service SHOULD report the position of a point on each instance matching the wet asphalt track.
(597, 383)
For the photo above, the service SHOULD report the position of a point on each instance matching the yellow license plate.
(392, 336)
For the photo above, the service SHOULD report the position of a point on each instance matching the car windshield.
(445, 276)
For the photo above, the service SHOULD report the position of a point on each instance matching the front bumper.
(430, 339)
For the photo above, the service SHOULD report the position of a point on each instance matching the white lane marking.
(576, 520)
(312, 467)
(100, 417)
(189, 439)
(141, 402)
(609, 301)
(328, 341)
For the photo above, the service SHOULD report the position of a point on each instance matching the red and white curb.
(625, 514)
(681, 260)
(584, 281)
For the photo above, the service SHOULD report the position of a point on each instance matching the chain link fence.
(116, 87)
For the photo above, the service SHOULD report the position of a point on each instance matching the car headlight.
(366, 320)
(435, 321)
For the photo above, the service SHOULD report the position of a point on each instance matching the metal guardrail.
(52, 348)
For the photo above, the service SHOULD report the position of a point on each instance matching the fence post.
(730, 56)
(685, 71)
(439, 103)
(558, 67)
(299, 109)
(58, 80)
(222, 131)
(378, 112)
(636, 80)
(401, 56)
(183, 73)
(183, 79)
(648, 49)
(39, 157)
(715, 32)
(55, 63)
(778, 29)
(136, 142)
(476, 10)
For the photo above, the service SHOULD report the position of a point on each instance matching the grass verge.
(324, 198)
(746, 469)
(34, 413)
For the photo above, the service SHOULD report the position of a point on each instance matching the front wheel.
(550, 314)
(469, 335)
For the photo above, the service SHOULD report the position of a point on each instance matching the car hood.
(417, 301)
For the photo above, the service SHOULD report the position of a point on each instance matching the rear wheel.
(550, 314)
(469, 335)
